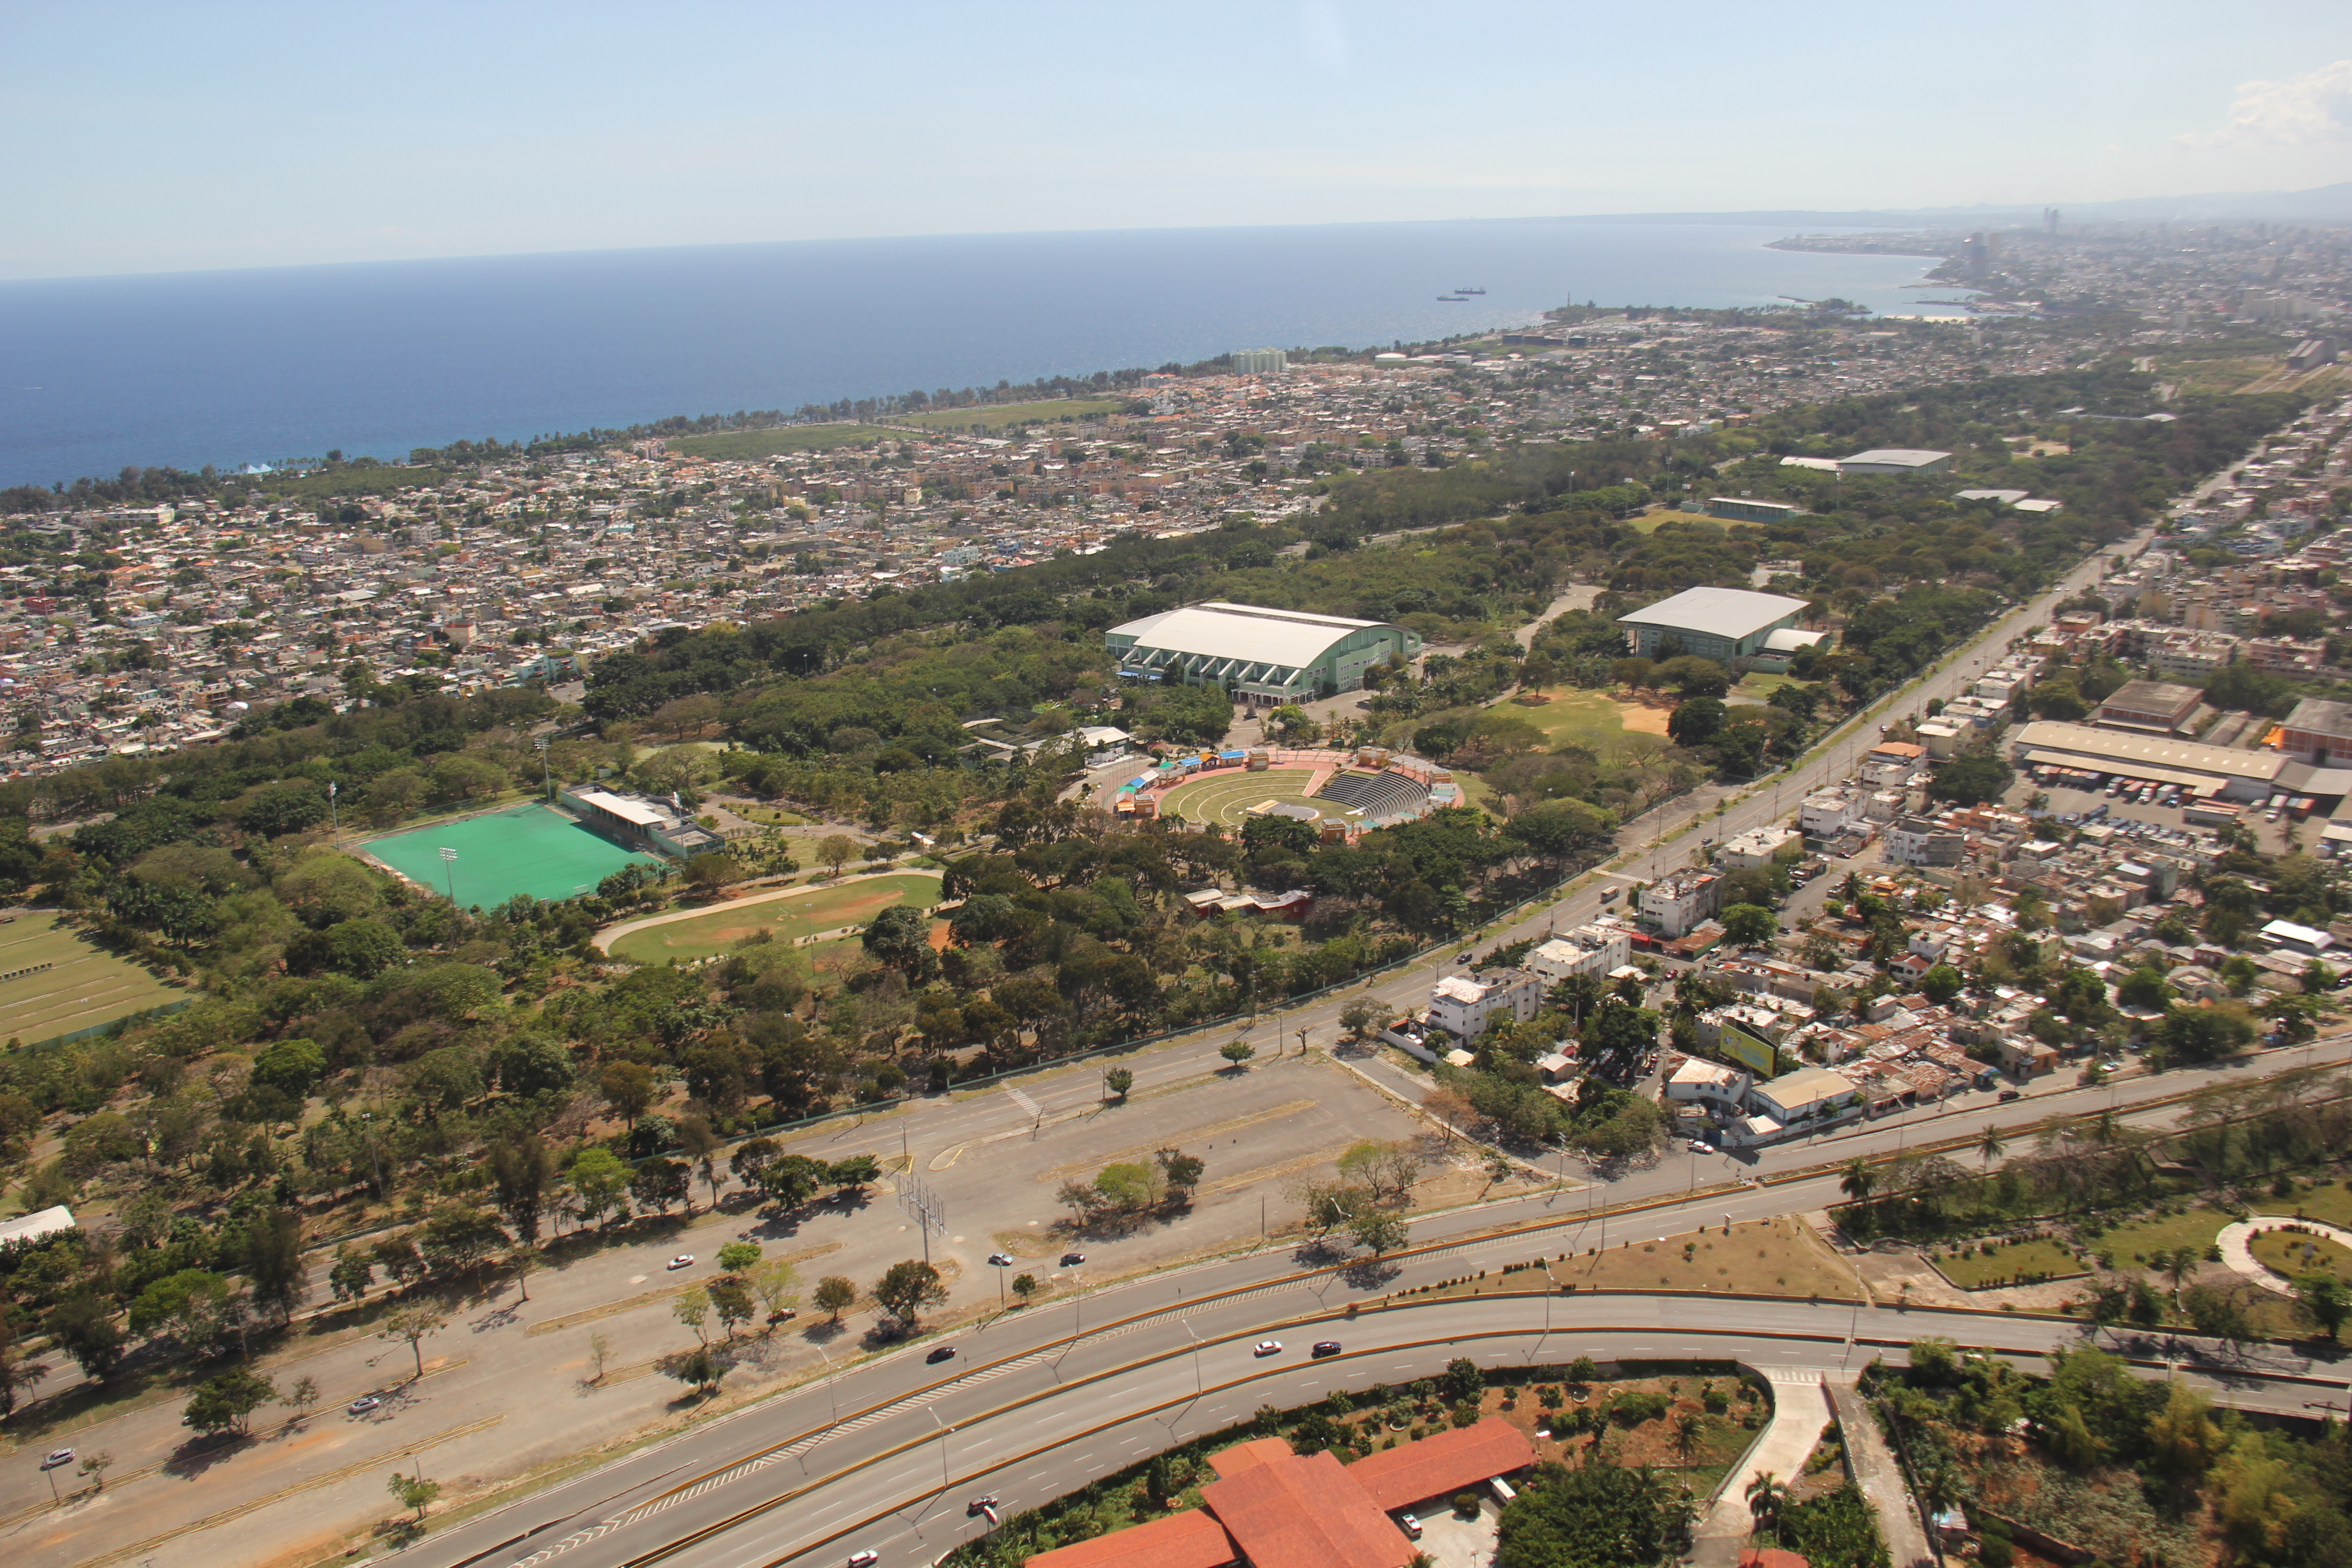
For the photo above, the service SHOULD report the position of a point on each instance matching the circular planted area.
(1223, 799)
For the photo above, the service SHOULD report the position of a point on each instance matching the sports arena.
(1341, 794)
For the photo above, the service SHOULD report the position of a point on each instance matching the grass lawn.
(2330, 1203)
(87, 985)
(739, 445)
(1777, 1256)
(997, 416)
(2219, 375)
(791, 918)
(2007, 1265)
(1595, 719)
(2283, 1255)
(1224, 797)
(1761, 685)
(2132, 1244)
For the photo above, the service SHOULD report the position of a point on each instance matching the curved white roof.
(1250, 632)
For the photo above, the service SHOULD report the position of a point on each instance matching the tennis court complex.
(533, 850)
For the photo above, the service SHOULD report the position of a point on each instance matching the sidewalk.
(1801, 1408)
(1880, 1479)
(2235, 1252)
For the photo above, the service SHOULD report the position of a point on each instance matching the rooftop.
(1220, 630)
(2321, 717)
(2186, 756)
(1896, 457)
(1732, 612)
(1187, 1539)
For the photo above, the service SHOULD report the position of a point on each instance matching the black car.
(2006, 1095)
(944, 1352)
(1325, 1347)
(1072, 1259)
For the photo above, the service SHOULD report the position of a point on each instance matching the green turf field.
(85, 986)
(804, 914)
(533, 850)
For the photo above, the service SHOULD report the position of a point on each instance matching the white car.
(1266, 1347)
(683, 1260)
(1410, 1524)
(864, 1559)
(362, 1405)
(56, 1456)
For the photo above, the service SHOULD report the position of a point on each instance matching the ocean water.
(238, 367)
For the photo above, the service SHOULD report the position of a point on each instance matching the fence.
(113, 1025)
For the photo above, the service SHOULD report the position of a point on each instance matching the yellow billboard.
(1756, 1056)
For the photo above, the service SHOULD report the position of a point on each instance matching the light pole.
(367, 1135)
(546, 778)
(334, 817)
(1197, 1385)
(449, 865)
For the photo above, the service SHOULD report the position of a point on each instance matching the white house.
(1715, 1085)
(1593, 950)
(1676, 904)
(1464, 1005)
(1830, 812)
(1757, 846)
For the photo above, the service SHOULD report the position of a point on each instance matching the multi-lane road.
(886, 1457)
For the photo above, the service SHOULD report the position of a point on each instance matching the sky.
(141, 138)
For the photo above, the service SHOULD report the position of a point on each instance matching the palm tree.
(1766, 1494)
(1686, 1430)
(1991, 1145)
(2176, 1264)
(1857, 1182)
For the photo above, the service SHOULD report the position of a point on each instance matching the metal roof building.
(1713, 623)
(1261, 654)
(1896, 460)
(2202, 769)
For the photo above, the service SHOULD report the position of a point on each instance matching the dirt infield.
(1222, 799)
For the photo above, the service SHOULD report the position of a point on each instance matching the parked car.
(1410, 1524)
(2006, 1095)
(683, 1260)
(1072, 1259)
(1002, 1260)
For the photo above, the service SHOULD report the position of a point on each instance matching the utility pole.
(334, 817)
(450, 864)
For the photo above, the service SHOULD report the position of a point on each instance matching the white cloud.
(2300, 111)
(1323, 36)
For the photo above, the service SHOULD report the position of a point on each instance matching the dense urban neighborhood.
(512, 957)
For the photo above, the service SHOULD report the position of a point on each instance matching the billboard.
(1756, 1056)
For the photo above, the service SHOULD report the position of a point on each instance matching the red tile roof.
(1187, 1539)
(1247, 1456)
(1306, 1513)
(1441, 1464)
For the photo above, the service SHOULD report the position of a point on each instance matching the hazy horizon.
(155, 138)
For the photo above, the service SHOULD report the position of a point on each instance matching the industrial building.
(1718, 623)
(1263, 656)
(1896, 460)
(2317, 730)
(1740, 509)
(2151, 706)
(2200, 769)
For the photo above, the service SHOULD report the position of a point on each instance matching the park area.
(533, 850)
(82, 987)
(1597, 720)
(1222, 799)
(788, 918)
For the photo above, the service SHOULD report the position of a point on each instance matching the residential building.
(1676, 904)
(1760, 847)
(1594, 950)
(1464, 1005)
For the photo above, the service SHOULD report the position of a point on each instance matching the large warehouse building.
(2200, 769)
(1720, 624)
(1263, 656)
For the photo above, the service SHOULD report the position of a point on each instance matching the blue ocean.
(251, 366)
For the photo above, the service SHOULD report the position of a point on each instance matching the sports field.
(533, 850)
(84, 988)
(789, 919)
(1224, 798)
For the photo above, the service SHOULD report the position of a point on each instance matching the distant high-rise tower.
(1258, 362)
(2050, 220)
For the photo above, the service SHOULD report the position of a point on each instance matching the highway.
(884, 1455)
(1035, 1403)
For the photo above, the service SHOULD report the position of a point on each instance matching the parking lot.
(2154, 819)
